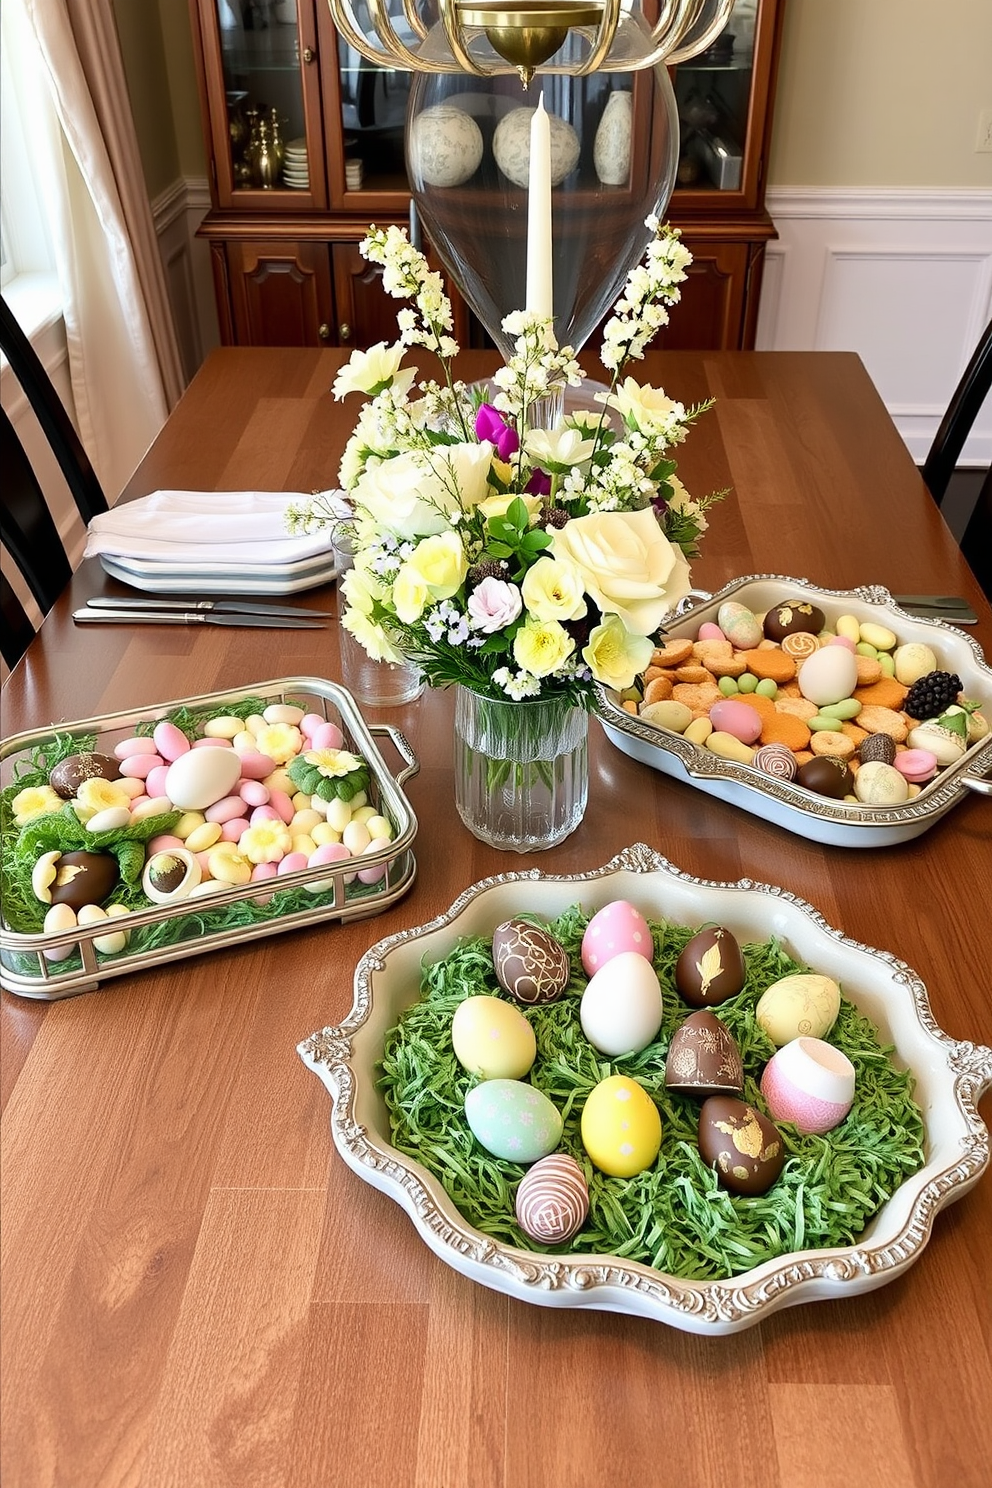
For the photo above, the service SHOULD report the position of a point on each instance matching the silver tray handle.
(403, 748)
(980, 784)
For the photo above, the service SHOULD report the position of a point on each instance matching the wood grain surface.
(198, 1293)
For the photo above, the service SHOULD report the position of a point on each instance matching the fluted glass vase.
(521, 769)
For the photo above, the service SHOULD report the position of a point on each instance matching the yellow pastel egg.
(803, 1005)
(492, 1039)
(621, 1127)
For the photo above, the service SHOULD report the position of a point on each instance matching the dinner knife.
(216, 606)
(937, 612)
(142, 616)
(933, 601)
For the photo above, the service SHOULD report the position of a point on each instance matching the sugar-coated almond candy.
(225, 727)
(283, 713)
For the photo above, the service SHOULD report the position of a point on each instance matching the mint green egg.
(512, 1120)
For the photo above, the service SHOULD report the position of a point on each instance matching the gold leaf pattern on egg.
(710, 965)
(772, 1150)
(746, 1137)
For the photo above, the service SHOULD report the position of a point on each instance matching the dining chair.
(956, 425)
(976, 541)
(27, 527)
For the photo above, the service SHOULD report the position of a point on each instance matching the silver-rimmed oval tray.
(950, 1077)
(818, 818)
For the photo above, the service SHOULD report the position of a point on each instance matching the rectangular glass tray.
(24, 968)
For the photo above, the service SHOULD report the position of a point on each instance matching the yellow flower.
(35, 800)
(552, 590)
(541, 647)
(441, 563)
(370, 635)
(411, 593)
(280, 741)
(495, 506)
(265, 842)
(614, 656)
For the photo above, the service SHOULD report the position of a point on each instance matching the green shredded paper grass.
(675, 1216)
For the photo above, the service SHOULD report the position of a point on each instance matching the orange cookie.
(763, 706)
(658, 690)
(699, 697)
(629, 706)
(829, 741)
(693, 672)
(771, 661)
(785, 728)
(855, 734)
(878, 720)
(672, 653)
(886, 693)
(803, 756)
(720, 658)
(799, 707)
(869, 670)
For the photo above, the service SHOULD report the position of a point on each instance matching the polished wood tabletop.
(196, 1289)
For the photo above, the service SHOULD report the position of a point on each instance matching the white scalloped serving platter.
(818, 818)
(950, 1077)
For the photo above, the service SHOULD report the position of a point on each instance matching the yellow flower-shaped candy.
(265, 842)
(35, 800)
(96, 794)
(280, 741)
(333, 762)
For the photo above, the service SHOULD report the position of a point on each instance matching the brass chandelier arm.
(706, 37)
(453, 31)
(414, 20)
(606, 31)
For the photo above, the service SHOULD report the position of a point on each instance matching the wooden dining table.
(197, 1291)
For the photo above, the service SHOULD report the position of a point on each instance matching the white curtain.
(123, 357)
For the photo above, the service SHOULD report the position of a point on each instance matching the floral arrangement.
(518, 560)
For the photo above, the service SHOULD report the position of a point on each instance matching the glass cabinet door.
(714, 93)
(265, 53)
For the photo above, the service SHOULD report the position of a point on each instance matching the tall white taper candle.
(539, 281)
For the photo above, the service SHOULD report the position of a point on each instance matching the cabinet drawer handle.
(309, 55)
(344, 331)
(324, 331)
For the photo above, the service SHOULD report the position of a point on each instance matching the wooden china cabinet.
(305, 146)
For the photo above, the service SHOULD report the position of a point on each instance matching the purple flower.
(490, 424)
(539, 484)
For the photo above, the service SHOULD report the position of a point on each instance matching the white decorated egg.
(492, 1038)
(445, 145)
(512, 1120)
(614, 928)
(200, 777)
(829, 675)
(511, 147)
(611, 149)
(740, 625)
(620, 1010)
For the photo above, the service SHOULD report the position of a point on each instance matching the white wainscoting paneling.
(903, 278)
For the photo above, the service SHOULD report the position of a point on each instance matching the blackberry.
(556, 517)
(493, 568)
(931, 694)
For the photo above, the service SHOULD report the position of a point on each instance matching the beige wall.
(158, 59)
(883, 93)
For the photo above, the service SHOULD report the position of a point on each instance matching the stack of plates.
(190, 542)
(295, 169)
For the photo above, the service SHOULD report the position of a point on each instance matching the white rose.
(646, 408)
(614, 656)
(552, 590)
(628, 566)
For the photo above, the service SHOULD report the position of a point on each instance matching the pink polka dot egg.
(615, 928)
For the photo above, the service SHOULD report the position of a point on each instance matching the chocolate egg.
(69, 774)
(877, 747)
(530, 964)
(826, 775)
(703, 1059)
(552, 1199)
(83, 878)
(743, 1146)
(792, 615)
(710, 968)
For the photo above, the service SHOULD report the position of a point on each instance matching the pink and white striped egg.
(552, 1199)
(809, 1083)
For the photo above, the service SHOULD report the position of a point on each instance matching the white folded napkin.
(242, 528)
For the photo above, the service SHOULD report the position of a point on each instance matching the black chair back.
(27, 528)
(955, 426)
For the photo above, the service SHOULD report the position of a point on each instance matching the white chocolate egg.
(202, 776)
(829, 675)
(620, 1010)
(879, 784)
